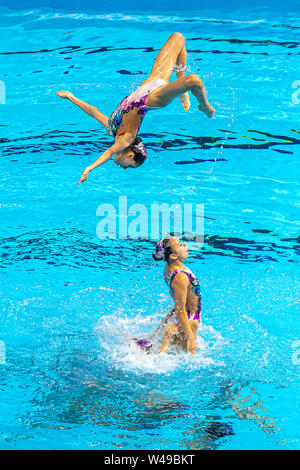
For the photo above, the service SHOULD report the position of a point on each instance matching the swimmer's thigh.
(166, 58)
(180, 339)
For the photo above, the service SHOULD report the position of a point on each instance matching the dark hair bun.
(157, 256)
(140, 153)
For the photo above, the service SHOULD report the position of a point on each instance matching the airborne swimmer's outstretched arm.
(87, 108)
(123, 142)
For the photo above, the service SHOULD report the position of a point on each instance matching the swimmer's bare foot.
(64, 94)
(185, 101)
(208, 110)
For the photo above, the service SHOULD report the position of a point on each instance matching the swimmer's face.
(125, 159)
(179, 249)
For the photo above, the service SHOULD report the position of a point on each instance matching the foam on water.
(116, 332)
(134, 17)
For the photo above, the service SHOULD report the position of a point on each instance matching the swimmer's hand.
(191, 346)
(85, 175)
(64, 94)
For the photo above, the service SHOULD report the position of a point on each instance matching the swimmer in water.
(154, 93)
(181, 324)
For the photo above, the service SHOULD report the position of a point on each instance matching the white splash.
(116, 332)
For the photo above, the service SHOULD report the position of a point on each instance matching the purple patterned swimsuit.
(134, 100)
(196, 287)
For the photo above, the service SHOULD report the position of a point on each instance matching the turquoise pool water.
(70, 302)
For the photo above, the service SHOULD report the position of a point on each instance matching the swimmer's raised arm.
(162, 323)
(122, 143)
(87, 108)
